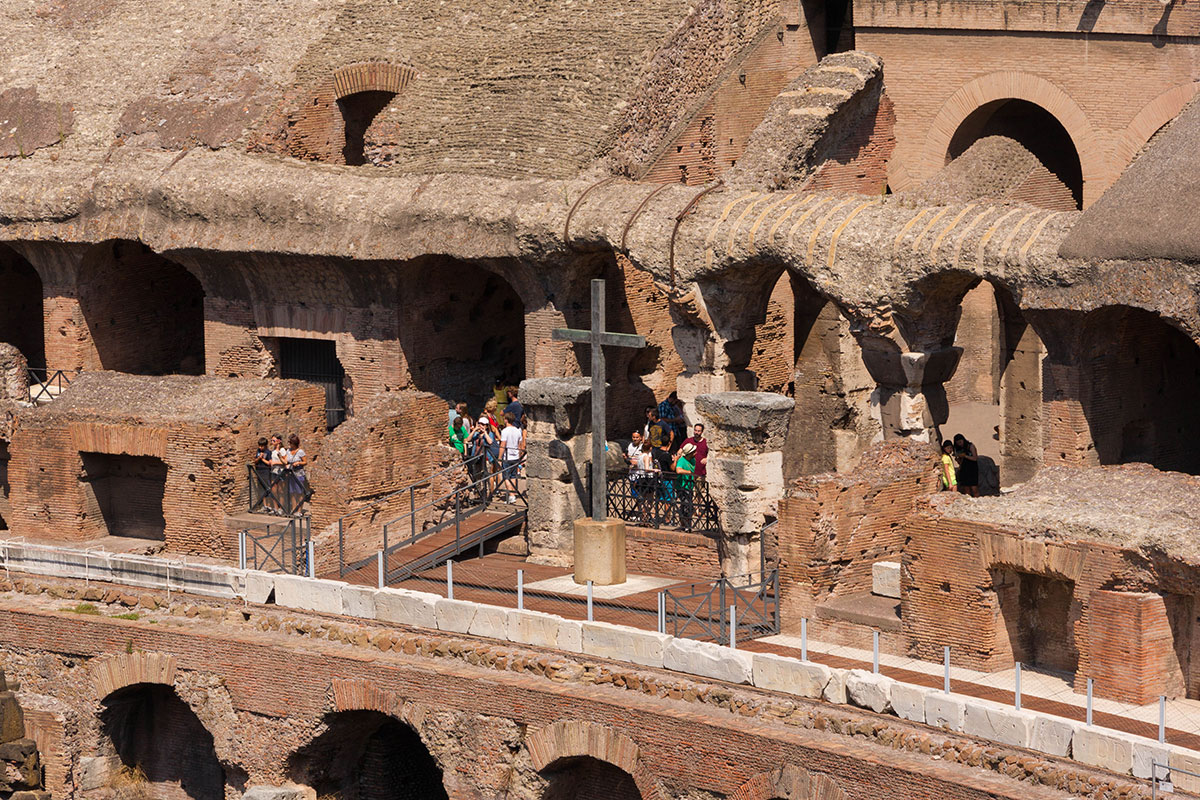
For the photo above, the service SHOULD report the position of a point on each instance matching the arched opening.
(995, 395)
(587, 778)
(166, 753)
(315, 361)
(145, 313)
(1140, 381)
(359, 111)
(21, 308)
(462, 330)
(367, 755)
(1035, 128)
(804, 349)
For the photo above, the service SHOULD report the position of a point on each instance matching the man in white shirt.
(634, 450)
(512, 448)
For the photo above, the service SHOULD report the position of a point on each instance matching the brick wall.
(1138, 647)
(834, 527)
(860, 163)
(687, 556)
(145, 314)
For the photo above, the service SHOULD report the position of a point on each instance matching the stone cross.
(597, 337)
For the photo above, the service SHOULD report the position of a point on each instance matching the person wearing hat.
(685, 466)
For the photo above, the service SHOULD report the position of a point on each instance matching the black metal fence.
(45, 385)
(663, 500)
(282, 492)
(278, 547)
(702, 610)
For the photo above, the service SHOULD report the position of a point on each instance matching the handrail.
(58, 379)
(455, 494)
(706, 605)
(410, 489)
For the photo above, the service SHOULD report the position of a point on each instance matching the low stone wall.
(1098, 747)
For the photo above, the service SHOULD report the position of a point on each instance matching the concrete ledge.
(1185, 759)
(868, 690)
(137, 571)
(708, 660)
(309, 594)
(404, 607)
(945, 711)
(783, 674)
(835, 690)
(999, 723)
(534, 628)
(210, 581)
(1147, 753)
(259, 586)
(454, 616)
(1102, 748)
(490, 621)
(358, 601)
(1053, 735)
(908, 701)
(626, 644)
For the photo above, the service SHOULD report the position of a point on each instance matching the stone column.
(910, 396)
(746, 433)
(558, 445)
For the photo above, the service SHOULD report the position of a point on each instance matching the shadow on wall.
(587, 778)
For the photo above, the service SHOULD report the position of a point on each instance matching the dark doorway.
(587, 778)
(166, 753)
(145, 313)
(359, 111)
(127, 493)
(366, 755)
(316, 361)
(1035, 128)
(1039, 613)
(462, 331)
(5, 506)
(21, 308)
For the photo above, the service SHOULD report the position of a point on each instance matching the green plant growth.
(86, 608)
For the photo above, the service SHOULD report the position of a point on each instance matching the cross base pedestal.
(599, 551)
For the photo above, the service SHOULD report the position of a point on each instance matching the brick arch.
(360, 695)
(574, 738)
(789, 782)
(111, 673)
(1015, 85)
(1154, 115)
(317, 128)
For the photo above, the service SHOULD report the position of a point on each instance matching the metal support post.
(520, 590)
(312, 561)
(1162, 719)
(1089, 703)
(1017, 690)
(450, 580)
(379, 563)
(241, 549)
(733, 627)
(589, 601)
(875, 652)
(946, 670)
(662, 612)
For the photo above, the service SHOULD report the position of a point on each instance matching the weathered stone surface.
(746, 422)
(1181, 759)
(783, 674)
(358, 601)
(490, 621)
(708, 660)
(534, 628)
(454, 616)
(1107, 749)
(12, 721)
(867, 690)
(19, 766)
(908, 701)
(557, 406)
(259, 586)
(95, 771)
(310, 594)
(406, 607)
(998, 723)
(287, 792)
(945, 710)
(835, 690)
(624, 644)
(1146, 754)
(1052, 735)
(600, 551)
(885, 579)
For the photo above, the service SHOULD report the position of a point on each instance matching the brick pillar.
(232, 347)
(746, 433)
(1136, 646)
(1066, 434)
(558, 445)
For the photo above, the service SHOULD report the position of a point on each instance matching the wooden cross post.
(597, 337)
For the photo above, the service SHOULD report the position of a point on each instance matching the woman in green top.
(949, 479)
(685, 466)
(458, 435)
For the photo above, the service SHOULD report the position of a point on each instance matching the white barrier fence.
(1056, 736)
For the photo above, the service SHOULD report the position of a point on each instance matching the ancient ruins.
(844, 231)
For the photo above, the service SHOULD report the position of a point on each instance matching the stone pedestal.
(600, 551)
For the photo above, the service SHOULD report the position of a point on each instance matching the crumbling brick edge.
(1115, 751)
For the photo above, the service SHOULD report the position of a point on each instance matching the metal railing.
(280, 493)
(702, 610)
(448, 510)
(471, 465)
(280, 547)
(663, 500)
(45, 386)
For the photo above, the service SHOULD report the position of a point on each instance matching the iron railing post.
(721, 613)
(341, 549)
(412, 511)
